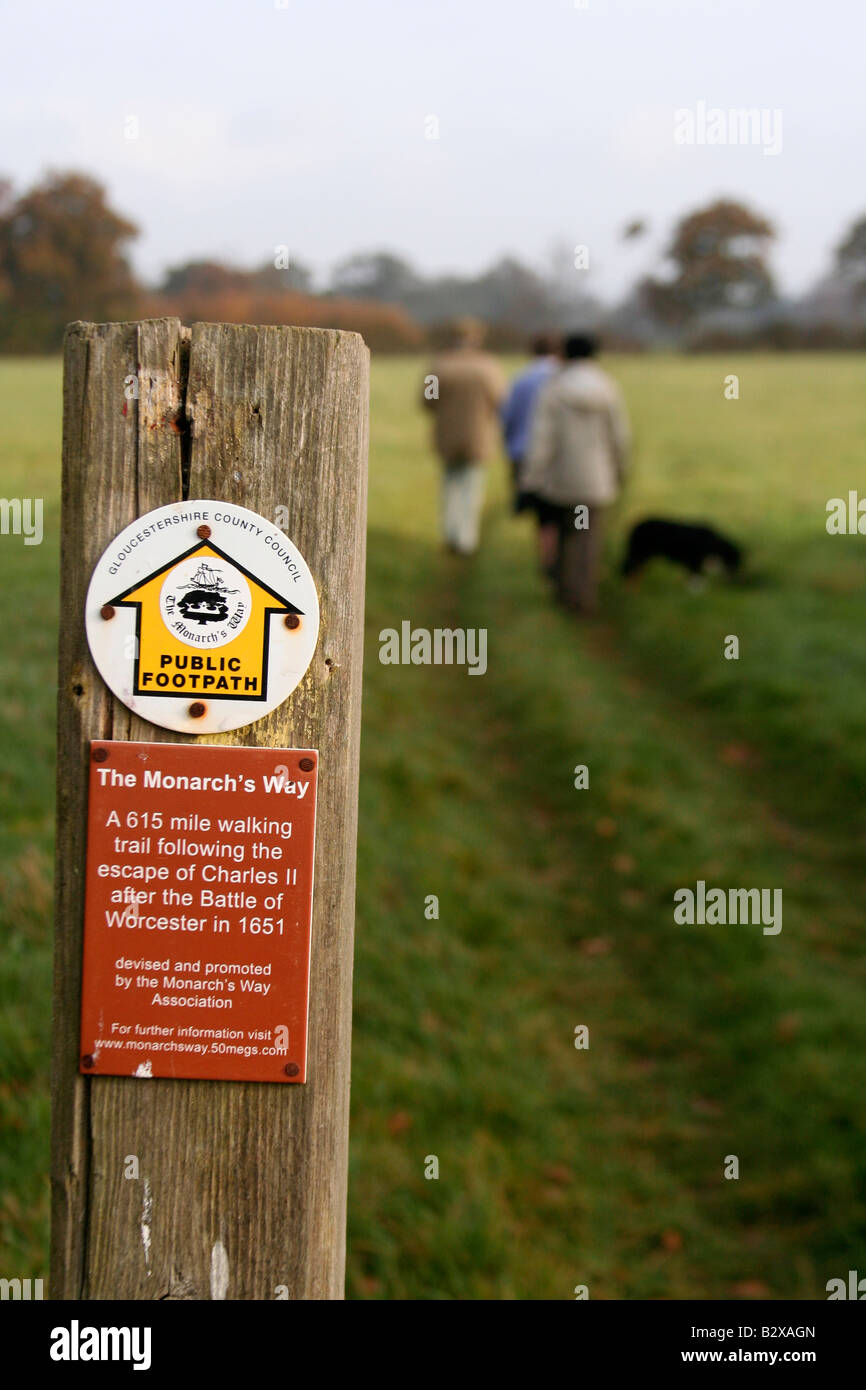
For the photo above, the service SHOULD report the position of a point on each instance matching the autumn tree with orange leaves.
(62, 257)
(719, 262)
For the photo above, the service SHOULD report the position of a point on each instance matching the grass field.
(560, 1167)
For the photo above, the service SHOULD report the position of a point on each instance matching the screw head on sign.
(106, 611)
(203, 533)
(306, 764)
(291, 1069)
(293, 620)
(100, 755)
(197, 709)
(87, 1060)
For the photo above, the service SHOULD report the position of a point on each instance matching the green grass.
(557, 1166)
(30, 413)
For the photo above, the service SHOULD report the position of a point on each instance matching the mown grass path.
(605, 1166)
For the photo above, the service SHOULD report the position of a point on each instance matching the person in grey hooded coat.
(578, 456)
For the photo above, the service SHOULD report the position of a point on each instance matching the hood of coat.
(584, 386)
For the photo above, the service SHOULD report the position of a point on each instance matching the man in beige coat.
(578, 455)
(464, 388)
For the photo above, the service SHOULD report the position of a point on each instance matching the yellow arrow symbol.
(223, 667)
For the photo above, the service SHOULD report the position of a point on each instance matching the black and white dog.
(698, 548)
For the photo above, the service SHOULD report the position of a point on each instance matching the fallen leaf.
(596, 946)
(739, 754)
(787, 1027)
(706, 1107)
(623, 863)
(632, 897)
(750, 1288)
(557, 1172)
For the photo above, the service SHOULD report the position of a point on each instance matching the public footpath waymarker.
(202, 616)
(209, 694)
(197, 912)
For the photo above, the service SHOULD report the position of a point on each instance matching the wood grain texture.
(242, 1186)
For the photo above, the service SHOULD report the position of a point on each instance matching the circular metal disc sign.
(202, 616)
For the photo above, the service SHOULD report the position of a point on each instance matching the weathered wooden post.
(197, 1189)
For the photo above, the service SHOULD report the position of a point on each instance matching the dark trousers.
(578, 560)
(516, 478)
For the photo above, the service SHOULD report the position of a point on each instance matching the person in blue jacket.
(517, 413)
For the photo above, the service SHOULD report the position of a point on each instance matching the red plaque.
(197, 911)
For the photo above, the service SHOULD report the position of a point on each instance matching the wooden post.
(242, 1185)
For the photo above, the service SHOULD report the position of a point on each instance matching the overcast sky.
(305, 123)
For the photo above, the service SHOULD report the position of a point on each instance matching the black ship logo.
(205, 600)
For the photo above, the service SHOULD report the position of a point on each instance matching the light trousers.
(462, 501)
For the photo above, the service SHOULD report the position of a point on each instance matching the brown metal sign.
(197, 912)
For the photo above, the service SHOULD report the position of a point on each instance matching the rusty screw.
(291, 1069)
(87, 1060)
(100, 755)
(306, 764)
(203, 532)
(106, 611)
(197, 709)
(293, 620)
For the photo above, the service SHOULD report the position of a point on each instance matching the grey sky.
(305, 125)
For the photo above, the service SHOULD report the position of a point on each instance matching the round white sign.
(202, 616)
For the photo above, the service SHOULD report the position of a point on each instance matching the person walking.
(464, 388)
(578, 456)
(520, 402)
(517, 412)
